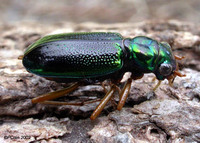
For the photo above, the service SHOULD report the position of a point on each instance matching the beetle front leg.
(55, 94)
(103, 102)
(157, 85)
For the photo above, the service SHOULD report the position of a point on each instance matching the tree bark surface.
(170, 114)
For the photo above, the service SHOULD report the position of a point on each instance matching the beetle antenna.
(179, 57)
(176, 72)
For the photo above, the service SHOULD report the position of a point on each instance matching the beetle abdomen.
(75, 58)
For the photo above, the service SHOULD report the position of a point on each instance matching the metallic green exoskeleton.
(97, 56)
(86, 58)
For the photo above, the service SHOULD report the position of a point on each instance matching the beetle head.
(167, 65)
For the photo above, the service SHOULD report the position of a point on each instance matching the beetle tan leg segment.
(20, 57)
(178, 57)
(104, 88)
(124, 94)
(55, 94)
(103, 102)
(71, 103)
(157, 85)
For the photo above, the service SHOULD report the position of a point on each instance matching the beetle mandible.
(87, 58)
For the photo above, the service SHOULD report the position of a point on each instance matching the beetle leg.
(55, 94)
(113, 98)
(62, 103)
(124, 94)
(153, 79)
(113, 103)
(20, 57)
(118, 89)
(157, 85)
(104, 88)
(103, 102)
(170, 82)
(178, 57)
(177, 73)
(71, 103)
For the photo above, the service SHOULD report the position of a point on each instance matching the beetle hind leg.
(70, 103)
(55, 94)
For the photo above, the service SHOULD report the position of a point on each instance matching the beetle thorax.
(143, 54)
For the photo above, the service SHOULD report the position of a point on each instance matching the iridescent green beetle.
(87, 58)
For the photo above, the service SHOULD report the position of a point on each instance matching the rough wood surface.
(168, 114)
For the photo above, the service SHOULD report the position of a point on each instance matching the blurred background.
(101, 11)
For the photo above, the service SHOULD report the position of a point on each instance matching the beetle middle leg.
(126, 89)
(103, 102)
(56, 94)
(124, 94)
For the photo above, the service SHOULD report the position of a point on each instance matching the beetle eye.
(165, 69)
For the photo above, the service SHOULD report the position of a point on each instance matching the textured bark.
(168, 114)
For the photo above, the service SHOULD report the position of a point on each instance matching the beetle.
(91, 57)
